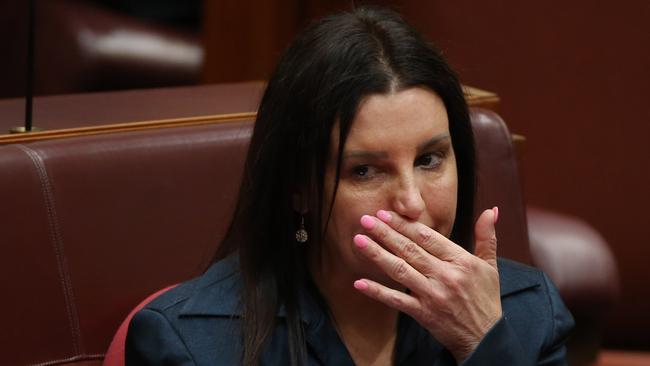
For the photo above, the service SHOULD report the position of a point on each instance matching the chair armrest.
(578, 260)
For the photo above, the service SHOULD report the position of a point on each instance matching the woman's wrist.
(464, 350)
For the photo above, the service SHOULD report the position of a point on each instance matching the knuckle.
(408, 247)
(446, 278)
(427, 237)
(425, 234)
(470, 266)
(376, 292)
(442, 298)
(466, 262)
(454, 279)
(400, 269)
(460, 256)
(395, 299)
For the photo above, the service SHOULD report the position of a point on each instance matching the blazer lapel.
(515, 277)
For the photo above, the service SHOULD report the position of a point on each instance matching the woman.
(353, 235)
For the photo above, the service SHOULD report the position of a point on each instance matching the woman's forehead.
(407, 117)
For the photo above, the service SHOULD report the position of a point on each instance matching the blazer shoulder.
(533, 307)
(173, 329)
(218, 273)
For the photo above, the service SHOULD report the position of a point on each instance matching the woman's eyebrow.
(375, 155)
(360, 154)
(433, 142)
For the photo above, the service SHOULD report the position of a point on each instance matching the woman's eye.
(428, 161)
(363, 171)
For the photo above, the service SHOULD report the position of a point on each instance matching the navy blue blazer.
(197, 323)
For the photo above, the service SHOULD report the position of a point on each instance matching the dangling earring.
(301, 233)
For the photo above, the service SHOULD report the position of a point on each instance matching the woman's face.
(398, 156)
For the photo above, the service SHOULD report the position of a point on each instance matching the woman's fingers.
(425, 237)
(401, 245)
(395, 267)
(393, 298)
(454, 294)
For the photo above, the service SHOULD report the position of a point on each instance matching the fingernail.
(384, 215)
(361, 285)
(367, 222)
(360, 241)
(495, 209)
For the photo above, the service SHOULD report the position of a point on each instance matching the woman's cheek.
(440, 198)
(348, 209)
(350, 206)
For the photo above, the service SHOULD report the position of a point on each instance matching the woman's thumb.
(485, 236)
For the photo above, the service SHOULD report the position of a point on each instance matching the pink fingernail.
(384, 215)
(367, 222)
(360, 241)
(361, 285)
(495, 209)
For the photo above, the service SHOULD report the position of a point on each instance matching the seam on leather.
(97, 356)
(57, 246)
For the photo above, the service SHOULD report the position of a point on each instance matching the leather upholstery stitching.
(57, 246)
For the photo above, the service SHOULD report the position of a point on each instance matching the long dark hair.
(319, 81)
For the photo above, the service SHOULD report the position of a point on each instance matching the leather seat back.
(92, 225)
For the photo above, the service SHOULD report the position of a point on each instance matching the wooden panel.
(244, 39)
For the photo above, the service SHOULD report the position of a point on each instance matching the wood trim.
(475, 98)
(125, 127)
(519, 142)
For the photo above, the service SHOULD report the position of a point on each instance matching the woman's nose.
(408, 198)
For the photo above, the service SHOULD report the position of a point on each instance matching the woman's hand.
(453, 293)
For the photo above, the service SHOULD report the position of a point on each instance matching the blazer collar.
(216, 293)
(515, 277)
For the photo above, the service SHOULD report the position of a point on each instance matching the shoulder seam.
(187, 294)
(168, 303)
